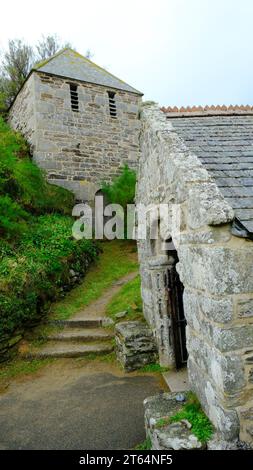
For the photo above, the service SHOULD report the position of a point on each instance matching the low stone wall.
(164, 435)
(215, 268)
(135, 345)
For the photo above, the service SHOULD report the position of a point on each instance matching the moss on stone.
(192, 412)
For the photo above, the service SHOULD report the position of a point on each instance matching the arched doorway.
(168, 306)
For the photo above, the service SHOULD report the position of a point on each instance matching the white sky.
(178, 52)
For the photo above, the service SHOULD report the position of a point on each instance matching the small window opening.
(112, 104)
(74, 97)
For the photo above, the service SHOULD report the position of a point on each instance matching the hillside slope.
(37, 251)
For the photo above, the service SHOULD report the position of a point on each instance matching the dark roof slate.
(224, 144)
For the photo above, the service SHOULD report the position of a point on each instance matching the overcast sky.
(177, 52)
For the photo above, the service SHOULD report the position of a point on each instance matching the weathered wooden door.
(176, 313)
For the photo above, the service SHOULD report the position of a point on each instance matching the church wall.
(215, 268)
(22, 112)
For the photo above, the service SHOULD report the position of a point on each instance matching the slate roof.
(70, 64)
(224, 144)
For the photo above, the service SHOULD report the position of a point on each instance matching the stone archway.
(164, 307)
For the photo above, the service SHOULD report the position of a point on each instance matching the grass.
(152, 368)
(37, 249)
(118, 259)
(192, 411)
(145, 445)
(161, 423)
(127, 299)
(22, 367)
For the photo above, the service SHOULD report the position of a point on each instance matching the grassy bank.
(117, 259)
(128, 300)
(37, 251)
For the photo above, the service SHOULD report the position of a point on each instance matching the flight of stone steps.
(83, 334)
(78, 337)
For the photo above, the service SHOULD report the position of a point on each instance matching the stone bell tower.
(81, 121)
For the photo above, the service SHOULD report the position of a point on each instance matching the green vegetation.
(161, 423)
(24, 192)
(17, 61)
(152, 368)
(122, 189)
(34, 272)
(20, 367)
(192, 411)
(117, 259)
(23, 367)
(127, 299)
(145, 445)
(36, 245)
(39, 335)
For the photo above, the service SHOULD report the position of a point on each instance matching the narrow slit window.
(74, 97)
(112, 104)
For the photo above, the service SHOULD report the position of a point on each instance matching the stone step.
(81, 335)
(177, 380)
(79, 322)
(66, 349)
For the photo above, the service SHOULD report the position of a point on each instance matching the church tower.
(81, 121)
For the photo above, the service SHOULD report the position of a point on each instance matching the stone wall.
(135, 345)
(216, 270)
(78, 150)
(22, 113)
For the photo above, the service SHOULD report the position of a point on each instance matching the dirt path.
(83, 333)
(98, 307)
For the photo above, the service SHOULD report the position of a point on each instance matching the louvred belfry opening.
(74, 97)
(112, 104)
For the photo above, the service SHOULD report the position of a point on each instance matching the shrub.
(127, 299)
(13, 218)
(34, 274)
(122, 189)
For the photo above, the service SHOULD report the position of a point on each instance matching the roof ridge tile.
(207, 110)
